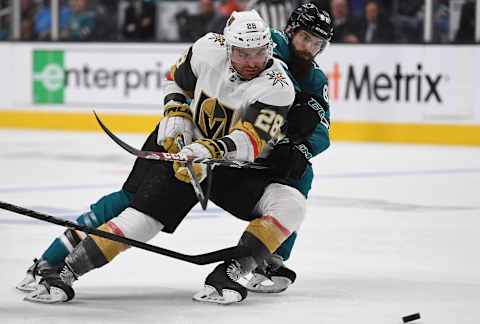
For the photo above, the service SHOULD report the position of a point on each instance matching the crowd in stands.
(356, 21)
(86, 20)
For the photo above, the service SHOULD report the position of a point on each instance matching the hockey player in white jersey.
(239, 100)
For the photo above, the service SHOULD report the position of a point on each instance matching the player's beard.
(301, 63)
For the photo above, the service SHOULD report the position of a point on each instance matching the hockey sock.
(101, 212)
(94, 252)
(268, 230)
(60, 247)
(285, 249)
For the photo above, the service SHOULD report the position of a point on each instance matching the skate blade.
(28, 284)
(42, 296)
(251, 281)
(210, 295)
(274, 286)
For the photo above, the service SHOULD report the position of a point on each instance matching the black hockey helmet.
(311, 19)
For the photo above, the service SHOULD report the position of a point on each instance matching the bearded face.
(305, 47)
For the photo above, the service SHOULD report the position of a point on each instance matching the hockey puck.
(411, 317)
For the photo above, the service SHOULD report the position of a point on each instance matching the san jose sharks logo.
(278, 78)
(212, 117)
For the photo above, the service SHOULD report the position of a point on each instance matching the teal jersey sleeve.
(281, 49)
(319, 141)
(318, 87)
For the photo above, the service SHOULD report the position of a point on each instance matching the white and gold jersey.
(222, 102)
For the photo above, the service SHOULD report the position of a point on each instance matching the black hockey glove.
(303, 117)
(288, 160)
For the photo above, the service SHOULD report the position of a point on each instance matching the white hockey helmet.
(246, 29)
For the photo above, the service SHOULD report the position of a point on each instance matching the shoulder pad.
(209, 49)
(210, 41)
(281, 48)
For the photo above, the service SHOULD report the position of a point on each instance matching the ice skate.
(221, 286)
(270, 281)
(54, 287)
(32, 276)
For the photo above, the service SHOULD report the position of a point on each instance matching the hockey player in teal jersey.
(310, 82)
(308, 32)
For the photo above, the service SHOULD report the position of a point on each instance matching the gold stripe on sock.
(110, 249)
(269, 231)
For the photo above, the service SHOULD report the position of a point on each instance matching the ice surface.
(391, 230)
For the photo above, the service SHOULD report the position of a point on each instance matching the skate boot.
(270, 280)
(32, 276)
(221, 286)
(54, 287)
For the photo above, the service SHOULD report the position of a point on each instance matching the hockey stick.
(162, 156)
(233, 252)
(180, 141)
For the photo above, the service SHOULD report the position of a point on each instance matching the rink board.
(343, 131)
(396, 93)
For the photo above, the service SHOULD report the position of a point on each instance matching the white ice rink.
(391, 230)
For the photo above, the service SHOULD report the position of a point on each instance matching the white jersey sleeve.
(268, 100)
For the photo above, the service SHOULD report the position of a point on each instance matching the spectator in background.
(357, 7)
(81, 23)
(106, 27)
(466, 29)
(43, 19)
(3, 22)
(374, 27)
(441, 21)
(408, 21)
(3, 28)
(225, 9)
(325, 4)
(27, 8)
(343, 26)
(26, 29)
(274, 12)
(140, 19)
(192, 27)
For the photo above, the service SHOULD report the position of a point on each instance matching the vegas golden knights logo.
(212, 118)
